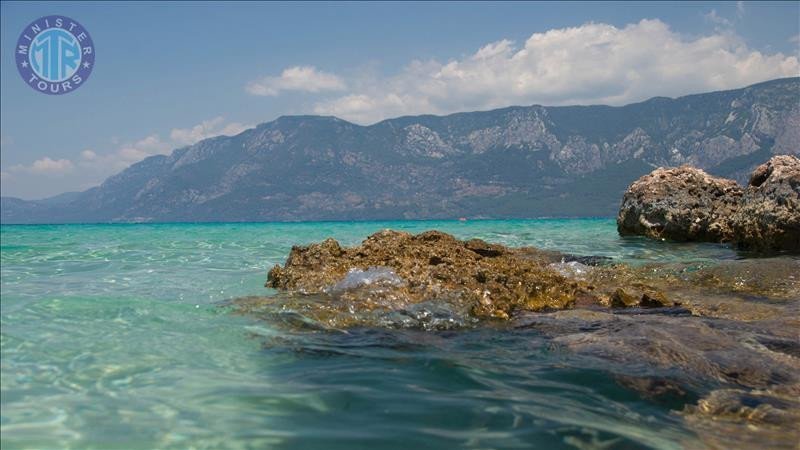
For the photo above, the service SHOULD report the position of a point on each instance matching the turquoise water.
(113, 337)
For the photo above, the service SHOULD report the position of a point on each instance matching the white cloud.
(45, 165)
(297, 78)
(125, 155)
(93, 167)
(206, 129)
(88, 155)
(594, 63)
(716, 19)
(795, 39)
(740, 9)
(104, 164)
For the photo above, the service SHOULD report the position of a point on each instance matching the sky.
(167, 75)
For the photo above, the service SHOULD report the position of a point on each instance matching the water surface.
(113, 337)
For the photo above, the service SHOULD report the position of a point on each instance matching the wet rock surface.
(732, 387)
(687, 204)
(489, 280)
(739, 418)
(716, 343)
(393, 276)
(391, 271)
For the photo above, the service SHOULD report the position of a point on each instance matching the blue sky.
(168, 74)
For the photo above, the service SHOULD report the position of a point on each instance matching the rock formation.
(682, 204)
(490, 280)
(687, 204)
(717, 343)
(394, 271)
(769, 215)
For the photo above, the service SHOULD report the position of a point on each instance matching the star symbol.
(86, 64)
(24, 64)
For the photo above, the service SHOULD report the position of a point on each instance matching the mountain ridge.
(512, 162)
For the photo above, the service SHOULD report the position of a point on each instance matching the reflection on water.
(112, 337)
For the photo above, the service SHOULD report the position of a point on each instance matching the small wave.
(373, 276)
(572, 269)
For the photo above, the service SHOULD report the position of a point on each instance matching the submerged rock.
(738, 418)
(729, 382)
(687, 204)
(717, 343)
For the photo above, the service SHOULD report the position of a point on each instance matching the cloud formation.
(297, 78)
(133, 152)
(205, 130)
(594, 63)
(136, 151)
(44, 165)
(88, 155)
(715, 18)
(94, 167)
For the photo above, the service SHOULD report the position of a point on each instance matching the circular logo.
(54, 55)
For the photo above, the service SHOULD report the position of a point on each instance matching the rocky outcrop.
(396, 277)
(769, 215)
(682, 204)
(435, 281)
(687, 204)
(715, 343)
(725, 361)
(397, 268)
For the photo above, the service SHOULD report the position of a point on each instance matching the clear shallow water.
(112, 337)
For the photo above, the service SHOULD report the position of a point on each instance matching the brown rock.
(654, 299)
(687, 204)
(622, 299)
(494, 281)
(648, 298)
(435, 281)
(769, 216)
(682, 204)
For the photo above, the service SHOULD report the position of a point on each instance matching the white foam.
(572, 269)
(378, 276)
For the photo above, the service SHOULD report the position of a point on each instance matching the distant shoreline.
(295, 222)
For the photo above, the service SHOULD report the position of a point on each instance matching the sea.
(120, 336)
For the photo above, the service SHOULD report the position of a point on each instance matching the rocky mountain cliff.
(530, 161)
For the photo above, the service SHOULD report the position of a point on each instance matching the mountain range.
(515, 162)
